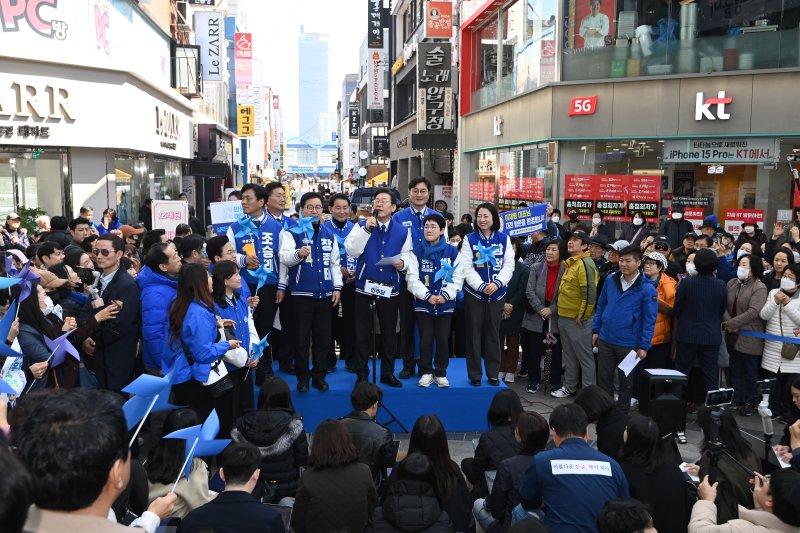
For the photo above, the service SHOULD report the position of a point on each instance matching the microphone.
(375, 213)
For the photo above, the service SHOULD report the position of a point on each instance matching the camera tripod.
(392, 418)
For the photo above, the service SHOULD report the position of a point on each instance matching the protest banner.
(223, 214)
(617, 196)
(525, 221)
(167, 214)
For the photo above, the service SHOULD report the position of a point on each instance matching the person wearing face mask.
(752, 233)
(691, 270)
(680, 254)
(782, 313)
(675, 227)
(598, 227)
(782, 258)
(637, 230)
(573, 222)
(746, 297)
(554, 227)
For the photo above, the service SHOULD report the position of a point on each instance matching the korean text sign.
(525, 220)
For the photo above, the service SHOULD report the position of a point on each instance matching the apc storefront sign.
(732, 151)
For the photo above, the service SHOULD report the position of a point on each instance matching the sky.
(275, 25)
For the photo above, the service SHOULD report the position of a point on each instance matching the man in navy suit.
(235, 509)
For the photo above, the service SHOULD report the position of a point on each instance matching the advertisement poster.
(617, 196)
(594, 23)
(223, 214)
(734, 218)
(167, 214)
(243, 58)
(525, 189)
(525, 221)
(438, 20)
(444, 193)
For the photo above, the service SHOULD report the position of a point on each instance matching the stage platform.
(461, 407)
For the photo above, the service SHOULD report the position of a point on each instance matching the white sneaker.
(509, 377)
(563, 392)
(425, 380)
(501, 376)
(442, 382)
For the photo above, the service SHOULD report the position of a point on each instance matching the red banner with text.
(617, 196)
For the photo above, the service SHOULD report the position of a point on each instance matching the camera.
(719, 397)
(86, 275)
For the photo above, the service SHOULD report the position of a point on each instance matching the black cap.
(662, 240)
(599, 240)
(691, 234)
(582, 236)
(677, 208)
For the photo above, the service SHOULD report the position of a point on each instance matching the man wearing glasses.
(310, 269)
(419, 193)
(113, 360)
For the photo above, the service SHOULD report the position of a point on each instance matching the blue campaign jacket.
(408, 218)
(423, 265)
(345, 259)
(267, 252)
(239, 312)
(369, 248)
(199, 332)
(476, 277)
(315, 279)
(626, 318)
(156, 293)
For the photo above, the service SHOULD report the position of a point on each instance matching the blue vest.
(427, 273)
(264, 243)
(313, 279)
(341, 234)
(486, 271)
(408, 218)
(378, 246)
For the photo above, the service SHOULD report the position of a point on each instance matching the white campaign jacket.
(790, 314)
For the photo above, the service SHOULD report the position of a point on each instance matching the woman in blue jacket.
(110, 222)
(231, 306)
(434, 299)
(488, 261)
(193, 328)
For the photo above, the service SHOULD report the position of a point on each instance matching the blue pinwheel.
(151, 395)
(247, 227)
(445, 271)
(340, 241)
(305, 225)
(26, 277)
(6, 388)
(10, 268)
(60, 348)
(6, 283)
(5, 327)
(486, 254)
(200, 441)
(262, 274)
(257, 350)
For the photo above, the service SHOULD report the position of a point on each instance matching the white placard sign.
(167, 214)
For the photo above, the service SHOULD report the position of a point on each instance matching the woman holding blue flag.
(434, 279)
(232, 307)
(488, 263)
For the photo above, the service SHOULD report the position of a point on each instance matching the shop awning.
(121, 174)
(380, 178)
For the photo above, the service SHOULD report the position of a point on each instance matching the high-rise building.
(313, 57)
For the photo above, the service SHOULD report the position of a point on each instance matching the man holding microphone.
(381, 247)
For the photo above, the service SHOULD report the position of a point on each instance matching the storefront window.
(525, 177)
(132, 186)
(630, 38)
(33, 178)
(482, 186)
(486, 64)
(167, 179)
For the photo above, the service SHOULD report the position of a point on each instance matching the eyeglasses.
(314, 207)
(102, 251)
(419, 191)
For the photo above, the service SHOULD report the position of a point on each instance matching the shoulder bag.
(237, 356)
(219, 381)
(788, 350)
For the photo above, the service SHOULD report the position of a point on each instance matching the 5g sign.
(583, 105)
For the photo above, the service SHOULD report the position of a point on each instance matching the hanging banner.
(246, 120)
(434, 90)
(375, 24)
(209, 30)
(734, 218)
(525, 221)
(739, 150)
(617, 196)
(375, 82)
(243, 58)
(167, 214)
(354, 122)
(438, 20)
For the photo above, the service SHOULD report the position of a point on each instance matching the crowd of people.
(298, 294)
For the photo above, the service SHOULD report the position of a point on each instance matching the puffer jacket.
(666, 293)
(704, 520)
(156, 293)
(789, 316)
(750, 298)
(280, 438)
(535, 292)
(494, 446)
(577, 292)
(410, 506)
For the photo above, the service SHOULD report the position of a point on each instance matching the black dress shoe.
(406, 373)
(287, 369)
(475, 382)
(494, 382)
(302, 385)
(320, 384)
(391, 381)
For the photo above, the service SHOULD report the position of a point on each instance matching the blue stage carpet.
(461, 407)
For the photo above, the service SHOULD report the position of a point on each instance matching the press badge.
(381, 290)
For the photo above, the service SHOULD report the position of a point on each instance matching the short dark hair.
(238, 462)
(756, 265)
(706, 238)
(706, 261)
(633, 250)
(152, 237)
(416, 181)
(214, 246)
(364, 395)
(222, 271)
(643, 445)
(156, 256)
(190, 244)
(260, 191)
(447, 214)
(310, 196)
(504, 409)
(495, 215)
(595, 402)
(436, 217)
(183, 230)
(47, 248)
(569, 420)
(624, 516)
(16, 491)
(332, 446)
(59, 222)
(85, 209)
(275, 394)
(75, 222)
(385, 190)
(466, 217)
(563, 253)
(598, 212)
(269, 188)
(70, 445)
(338, 196)
(533, 431)
(116, 242)
(235, 194)
(782, 250)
